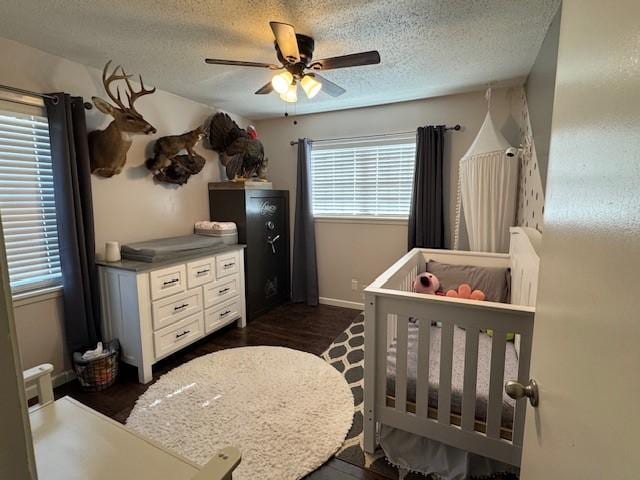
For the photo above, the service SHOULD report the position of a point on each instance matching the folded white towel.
(91, 354)
(215, 226)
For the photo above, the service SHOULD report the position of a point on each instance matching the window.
(363, 177)
(26, 202)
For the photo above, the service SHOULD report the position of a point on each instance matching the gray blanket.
(457, 377)
(165, 248)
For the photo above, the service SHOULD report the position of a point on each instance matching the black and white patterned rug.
(346, 354)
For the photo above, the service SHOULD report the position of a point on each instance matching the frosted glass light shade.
(310, 86)
(281, 82)
(291, 95)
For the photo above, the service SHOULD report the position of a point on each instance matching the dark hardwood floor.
(294, 326)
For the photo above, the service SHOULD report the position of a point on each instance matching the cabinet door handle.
(180, 307)
(228, 265)
(178, 335)
(171, 282)
(224, 290)
(225, 313)
(202, 272)
(272, 242)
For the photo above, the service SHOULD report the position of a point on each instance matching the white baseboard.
(341, 303)
(57, 380)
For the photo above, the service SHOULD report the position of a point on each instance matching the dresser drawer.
(176, 307)
(173, 338)
(216, 317)
(168, 281)
(220, 291)
(201, 271)
(227, 264)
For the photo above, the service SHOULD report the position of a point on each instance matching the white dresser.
(155, 309)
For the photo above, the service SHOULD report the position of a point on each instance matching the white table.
(74, 442)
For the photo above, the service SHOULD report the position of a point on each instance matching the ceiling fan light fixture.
(291, 95)
(281, 82)
(310, 85)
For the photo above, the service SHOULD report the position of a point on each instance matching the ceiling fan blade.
(237, 63)
(353, 60)
(266, 88)
(329, 87)
(286, 40)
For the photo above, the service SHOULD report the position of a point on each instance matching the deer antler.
(132, 95)
(107, 81)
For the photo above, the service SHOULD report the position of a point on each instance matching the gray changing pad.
(166, 248)
(457, 377)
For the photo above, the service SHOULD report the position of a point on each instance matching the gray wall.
(348, 249)
(128, 207)
(540, 89)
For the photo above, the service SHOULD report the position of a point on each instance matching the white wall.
(362, 251)
(530, 212)
(128, 207)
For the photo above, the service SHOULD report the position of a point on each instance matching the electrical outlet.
(354, 284)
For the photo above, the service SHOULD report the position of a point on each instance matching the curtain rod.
(294, 142)
(28, 92)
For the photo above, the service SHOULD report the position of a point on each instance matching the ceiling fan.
(295, 53)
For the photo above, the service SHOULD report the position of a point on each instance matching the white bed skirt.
(415, 453)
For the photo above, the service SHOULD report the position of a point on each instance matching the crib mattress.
(457, 376)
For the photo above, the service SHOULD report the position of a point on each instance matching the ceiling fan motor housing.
(306, 45)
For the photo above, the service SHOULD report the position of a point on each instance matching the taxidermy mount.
(168, 166)
(108, 148)
(241, 153)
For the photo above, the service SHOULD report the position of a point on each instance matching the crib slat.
(381, 362)
(470, 379)
(422, 382)
(446, 364)
(524, 358)
(496, 383)
(401, 363)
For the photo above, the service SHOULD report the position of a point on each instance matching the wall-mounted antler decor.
(168, 166)
(108, 148)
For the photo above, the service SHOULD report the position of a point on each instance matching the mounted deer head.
(108, 148)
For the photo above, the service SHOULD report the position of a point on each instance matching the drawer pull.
(225, 313)
(178, 335)
(202, 272)
(180, 307)
(229, 265)
(223, 291)
(171, 282)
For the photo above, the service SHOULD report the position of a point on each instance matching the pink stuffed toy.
(426, 283)
(464, 291)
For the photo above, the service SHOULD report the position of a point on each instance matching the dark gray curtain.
(304, 286)
(74, 211)
(426, 220)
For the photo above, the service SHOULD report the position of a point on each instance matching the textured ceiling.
(428, 47)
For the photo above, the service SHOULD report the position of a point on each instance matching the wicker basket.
(99, 373)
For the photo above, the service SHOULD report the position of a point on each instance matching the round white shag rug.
(287, 411)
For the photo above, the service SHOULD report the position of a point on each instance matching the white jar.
(112, 252)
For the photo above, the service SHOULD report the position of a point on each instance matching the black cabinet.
(262, 217)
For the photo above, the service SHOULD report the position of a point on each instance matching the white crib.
(390, 302)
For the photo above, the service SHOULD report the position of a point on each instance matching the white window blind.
(363, 177)
(26, 201)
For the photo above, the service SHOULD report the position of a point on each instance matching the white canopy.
(489, 139)
(487, 189)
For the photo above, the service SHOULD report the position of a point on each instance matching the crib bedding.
(457, 377)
